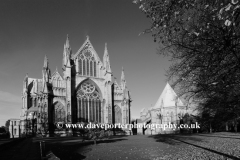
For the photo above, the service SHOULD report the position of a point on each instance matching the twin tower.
(83, 92)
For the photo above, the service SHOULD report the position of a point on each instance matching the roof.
(168, 98)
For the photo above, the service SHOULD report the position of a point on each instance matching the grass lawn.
(198, 146)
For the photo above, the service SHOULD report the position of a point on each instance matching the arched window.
(30, 102)
(87, 67)
(89, 103)
(84, 67)
(95, 74)
(87, 63)
(59, 112)
(80, 66)
(91, 67)
(35, 102)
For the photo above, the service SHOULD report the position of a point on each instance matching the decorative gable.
(87, 50)
(56, 76)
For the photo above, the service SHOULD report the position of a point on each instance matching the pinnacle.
(67, 42)
(45, 65)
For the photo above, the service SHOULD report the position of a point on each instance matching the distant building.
(139, 126)
(84, 92)
(14, 128)
(168, 109)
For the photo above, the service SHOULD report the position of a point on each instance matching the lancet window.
(88, 103)
(87, 64)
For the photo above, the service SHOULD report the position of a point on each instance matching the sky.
(31, 29)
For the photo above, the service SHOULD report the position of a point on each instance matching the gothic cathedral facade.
(84, 92)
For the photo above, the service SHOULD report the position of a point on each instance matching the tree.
(203, 40)
(7, 124)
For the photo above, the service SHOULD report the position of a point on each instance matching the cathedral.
(84, 92)
(169, 108)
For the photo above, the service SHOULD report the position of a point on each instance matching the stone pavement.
(20, 149)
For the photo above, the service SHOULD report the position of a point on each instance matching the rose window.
(88, 88)
(88, 54)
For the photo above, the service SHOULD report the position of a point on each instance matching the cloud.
(9, 97)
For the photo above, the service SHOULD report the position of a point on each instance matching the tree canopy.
(202, 38)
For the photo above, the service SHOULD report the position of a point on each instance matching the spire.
(105, 56)
(45, 64)
(66, 54)
(106, 60)
(56, 69)
(46, 73)
(25, 84)
(123, 81)
(123, 75)
(45, 88)
(26, 77)
(67, 45)
(105, 50)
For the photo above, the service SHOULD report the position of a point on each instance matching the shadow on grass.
(219, 136)
(171, 138)
(177, 139)
(220, 153)
(72, 148)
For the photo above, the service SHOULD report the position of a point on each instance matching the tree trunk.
(227, 126)
(235, 125)
(210, 127)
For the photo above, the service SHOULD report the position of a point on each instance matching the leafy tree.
(203, 40)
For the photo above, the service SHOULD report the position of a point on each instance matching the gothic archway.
(88, 102)
(118, 114)
(59, 113)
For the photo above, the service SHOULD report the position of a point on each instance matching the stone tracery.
(88, 103)
(87, 63)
